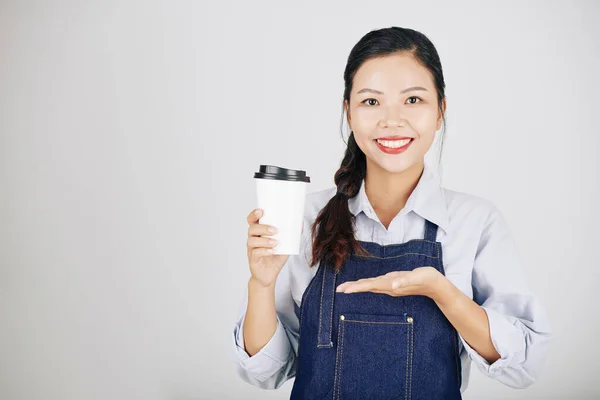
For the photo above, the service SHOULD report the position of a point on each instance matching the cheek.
(362, 138)
(365, 126)
(365, 119)
(424, 121)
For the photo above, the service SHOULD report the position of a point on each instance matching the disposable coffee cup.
(281, 193)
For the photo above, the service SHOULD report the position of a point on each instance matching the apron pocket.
(374, 357)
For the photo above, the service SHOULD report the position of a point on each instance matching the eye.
(368, 100)
(414, 97)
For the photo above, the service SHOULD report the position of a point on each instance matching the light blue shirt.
(479, 257)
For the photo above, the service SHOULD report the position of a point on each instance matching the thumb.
(399, 282)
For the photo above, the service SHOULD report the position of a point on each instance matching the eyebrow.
(410, 89)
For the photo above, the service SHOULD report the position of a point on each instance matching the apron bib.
(376, 346)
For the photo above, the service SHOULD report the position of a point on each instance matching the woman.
(408, 282)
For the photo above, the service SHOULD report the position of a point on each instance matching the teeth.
(393, 144)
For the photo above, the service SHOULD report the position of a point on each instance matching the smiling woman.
(409, 282)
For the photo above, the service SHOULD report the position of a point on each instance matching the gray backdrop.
(129, 133)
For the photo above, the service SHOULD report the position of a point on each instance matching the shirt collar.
(427, 200)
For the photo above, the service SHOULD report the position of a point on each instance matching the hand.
(264, 265)
(423, 281)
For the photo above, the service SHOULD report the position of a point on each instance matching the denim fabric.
(376, 346)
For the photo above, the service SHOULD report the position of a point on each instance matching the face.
(393, 97)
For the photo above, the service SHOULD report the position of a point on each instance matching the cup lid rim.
(267, 171)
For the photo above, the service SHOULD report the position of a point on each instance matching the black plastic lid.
(281, 174)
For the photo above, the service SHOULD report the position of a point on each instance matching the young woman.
(401, 283)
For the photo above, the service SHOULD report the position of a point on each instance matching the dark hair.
(333, 229)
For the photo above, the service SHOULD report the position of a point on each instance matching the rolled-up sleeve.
(275, 363)
(519, 326)
(272, 365)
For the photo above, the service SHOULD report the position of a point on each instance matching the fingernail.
(272, 241)
(272, 229)
(344, 287)
(257, 212)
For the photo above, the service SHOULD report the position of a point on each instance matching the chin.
(394, 166)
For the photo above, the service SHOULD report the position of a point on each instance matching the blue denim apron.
(376, 346)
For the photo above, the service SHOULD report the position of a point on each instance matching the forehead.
(392, 73)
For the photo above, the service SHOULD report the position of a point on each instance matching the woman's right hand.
(264, 265)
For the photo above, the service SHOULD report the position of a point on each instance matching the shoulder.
(316, 201)
(476, 223)
(466, 209)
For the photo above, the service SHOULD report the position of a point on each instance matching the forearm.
(467, 317)
(260, 322)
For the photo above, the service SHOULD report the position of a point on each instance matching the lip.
(388, 150)
(394, 138)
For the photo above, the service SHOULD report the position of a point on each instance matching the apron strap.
(326, 307)
(430, 231)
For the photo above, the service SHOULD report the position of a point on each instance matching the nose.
(394, 117)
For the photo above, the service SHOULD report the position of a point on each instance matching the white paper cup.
(281, 194)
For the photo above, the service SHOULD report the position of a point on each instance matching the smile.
(393, 146)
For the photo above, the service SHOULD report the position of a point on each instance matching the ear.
(347, 109)
(441, 115)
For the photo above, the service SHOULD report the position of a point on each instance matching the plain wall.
(130, 132)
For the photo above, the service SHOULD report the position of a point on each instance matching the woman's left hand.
(425, 281)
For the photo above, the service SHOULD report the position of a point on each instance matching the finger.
(341, 287)
(261, 229)
(254, 216)
(345, 285)
(259, 252)
(257, 241)
(380, 291)
(405, 291)
(373, 290)
(368, 285)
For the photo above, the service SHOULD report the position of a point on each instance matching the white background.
(130, 132)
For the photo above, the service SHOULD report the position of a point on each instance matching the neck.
(387, 191)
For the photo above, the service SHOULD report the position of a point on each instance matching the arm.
(266, 357)
(270, 359)
(504, 329)
(260, 321)
(468, 318)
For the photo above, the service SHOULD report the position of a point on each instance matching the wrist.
(443, 291)
(256, 286)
